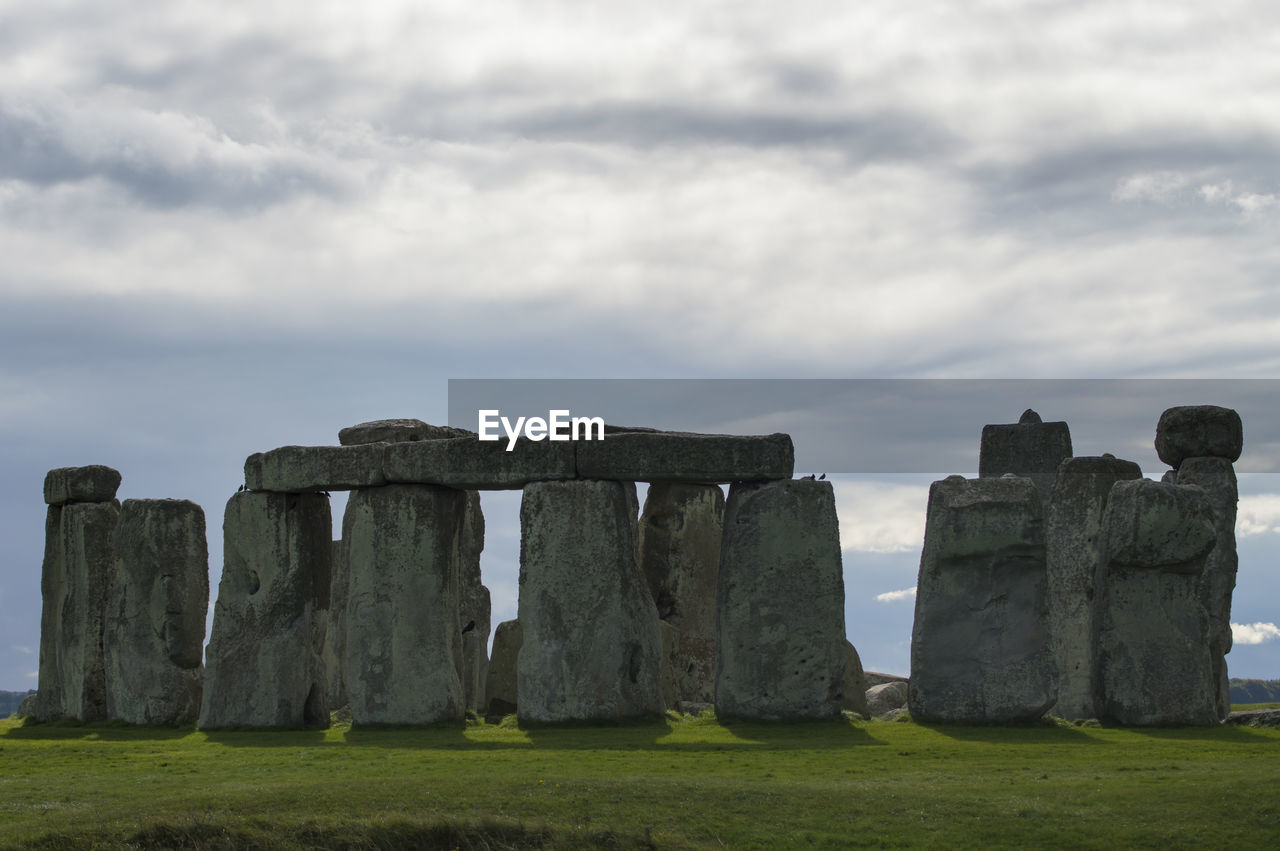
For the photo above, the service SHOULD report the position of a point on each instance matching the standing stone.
(670, 664)
(680, 533)
(855, 682)
(403, 641)
(265, 665)
(591, 646)
(153, 634)
(78, 565)
(780, 598)
(500, 684)
(1155, 666)
(1199, 431)
(335, 635)
(980, 648)
(1218, 479)
(1030, 448)
(1076, 564)
(473, 607)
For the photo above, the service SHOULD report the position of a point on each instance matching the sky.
(231, 227)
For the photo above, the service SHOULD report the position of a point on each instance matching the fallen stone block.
(310, 469)
(1029, 447)
(1197, 431)
(397, 431)
(886, 697)
(500, 682)
(780, 595)
(94, 483)
(662, 456)
(153, 632)
(469, 463)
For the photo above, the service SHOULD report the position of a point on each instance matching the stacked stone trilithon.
(1030, 447)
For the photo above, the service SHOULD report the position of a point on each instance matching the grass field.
(670, 783)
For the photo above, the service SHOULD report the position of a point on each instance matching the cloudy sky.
(228, 227)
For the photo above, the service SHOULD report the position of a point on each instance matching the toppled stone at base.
(980, 648)
(500, 684)
(1198, 431)
(591, 648)
(94, 483)
(1030, 448)
(657, 456)
(1075, 562)
(153, 632)
(1218, 581)
(1155, 666)
(473, 607)
(403, 640)
(309, 469)
(469, 463)
(397, 431)
(680, 534)
(79, 564)
(780, 596)
(264, 663)
(855, 684)
(884, 698)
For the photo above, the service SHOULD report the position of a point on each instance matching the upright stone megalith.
(153, 634)
(265, 664)
(680, 536)
(591, 648)
(980, 649)
(1029, 447)
(1076, 563)
(781, 650)
(500, 683)
(403, 641)
(473, 607)
(1155, 666)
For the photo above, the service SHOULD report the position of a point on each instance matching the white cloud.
(1162, 187)
(1258, 514)
(895, 596)
(23, 649)
(1257, 633)
(881, 517)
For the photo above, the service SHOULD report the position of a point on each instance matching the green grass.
(670, 783)
(1244, 707)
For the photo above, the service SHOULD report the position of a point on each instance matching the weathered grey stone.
(680, 534)
(1155, 666)
(153, 632)
(1197, 431)
(335, 634)
(500, 684)
(29, 706)
(884, 698)
(473, 607)
(1218, 581)
(397, 431)
(94, 483)
(876, 678)
(1030, 448)
(1075, 561)
(980, 648)
(591, 646)
(307, 469)
(473, 464)
(656, 456)
(780, 597)
(855, 684)
(895, 714)
(79, 563)
(264, 663)
(403, 642)
(670, 675)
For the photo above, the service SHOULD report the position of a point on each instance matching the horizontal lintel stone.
(94, 483)
(397, 431)
(307, 469)
(474, 464)
(678, 457)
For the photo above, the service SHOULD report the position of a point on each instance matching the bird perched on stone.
(823, 476)
(809, 477)
(470, 626)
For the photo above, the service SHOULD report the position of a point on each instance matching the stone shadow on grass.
(1030, 733)
(1227, 733)
(107, 731)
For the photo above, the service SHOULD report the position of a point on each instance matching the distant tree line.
(9, 701)
(1255, 691)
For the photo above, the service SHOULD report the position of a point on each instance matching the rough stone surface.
(94, 483)
(1218, 479)
(308, 469)
(656, 456)
(264, 663)
(500, 684)
(591, 646)
(1030, 448)
(473, 464)
(403, 639)
(29, 706)
(680, 532)
(397, 431)
(335, 634)
(1155, 666)
(670, 675)
(980, 648)
(153, 631)
(781, 638)
(1075, 561)
(855, 684)
(474, 607)
(884, 698)
(1196, 431)
(79, 562)
(875, 678)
